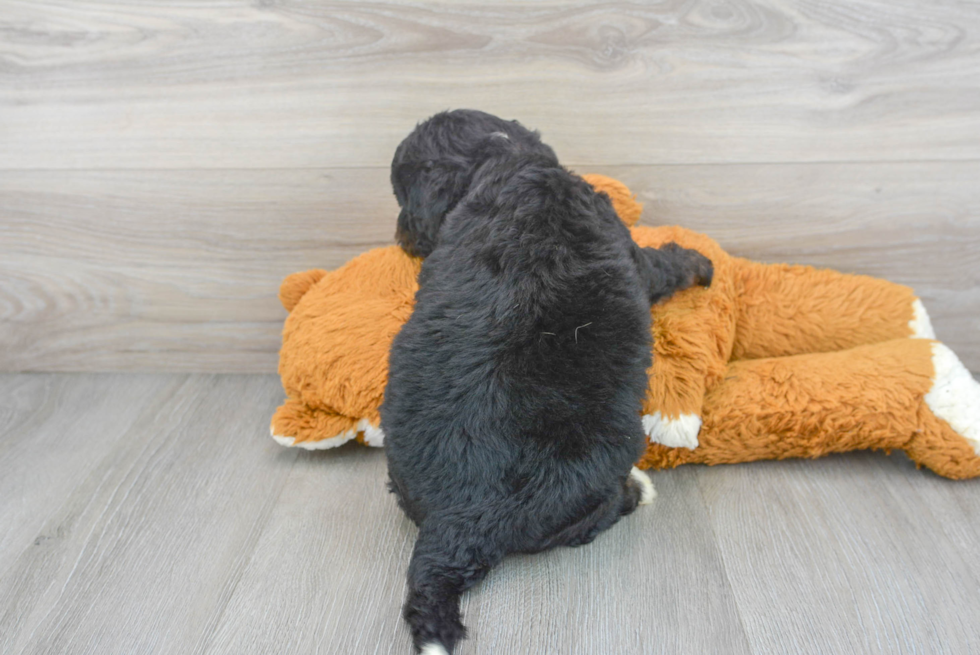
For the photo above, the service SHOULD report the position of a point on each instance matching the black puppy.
(512, 411)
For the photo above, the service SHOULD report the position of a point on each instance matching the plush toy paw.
(363, 431)
(298, 424)
(955, 395)
(680, 432)
(920, 325)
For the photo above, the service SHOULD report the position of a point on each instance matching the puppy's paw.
(704, 270)
(647, 492)
(433, 649)
(696, 269)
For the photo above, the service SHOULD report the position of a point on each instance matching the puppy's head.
(434, 166)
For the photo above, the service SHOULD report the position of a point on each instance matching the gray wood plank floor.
(152, 514)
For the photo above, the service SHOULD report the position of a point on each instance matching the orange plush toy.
(770, 362)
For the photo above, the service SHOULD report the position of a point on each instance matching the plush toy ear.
(623, 200)
(296, 285)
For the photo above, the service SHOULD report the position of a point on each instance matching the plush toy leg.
(794, 310)
(907, 394)
(297, 424)
(692, 335)
(952, 410)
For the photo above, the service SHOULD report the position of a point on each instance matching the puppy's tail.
(450, 557)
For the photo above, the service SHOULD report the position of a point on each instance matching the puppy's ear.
(431, 191)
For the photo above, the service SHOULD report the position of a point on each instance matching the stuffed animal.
(770, 362)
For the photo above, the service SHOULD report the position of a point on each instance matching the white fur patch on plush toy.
(955, 395)
(322, 444)
(920, 324)
(681, 432)
(373, 436)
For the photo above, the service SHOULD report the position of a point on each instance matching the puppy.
(512, 411)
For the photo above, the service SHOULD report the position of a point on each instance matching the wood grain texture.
(654, 583)
(328, 574)
(100, 84)
(53, 432)
(143, 554)
(856, 554)
(170, 270)
(339, 590)
(193, 532)
(179, 270)
(163, 166)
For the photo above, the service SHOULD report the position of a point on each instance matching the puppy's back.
(530, 330)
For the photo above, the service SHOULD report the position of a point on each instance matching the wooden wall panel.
(170, 270)
(163, 165)
(178, 270)
(98, 84)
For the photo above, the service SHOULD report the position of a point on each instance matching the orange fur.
(777, 361)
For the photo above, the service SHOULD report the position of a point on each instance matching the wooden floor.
(151, 513)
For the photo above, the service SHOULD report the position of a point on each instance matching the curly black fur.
(511, 413)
